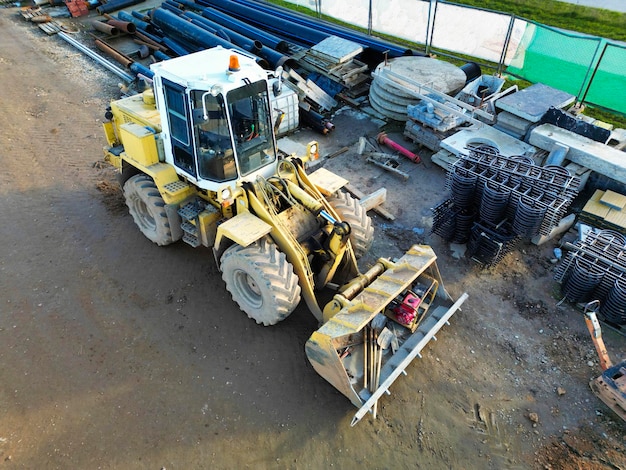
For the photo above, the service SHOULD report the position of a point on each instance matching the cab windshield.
(250, 116)
(244, 120)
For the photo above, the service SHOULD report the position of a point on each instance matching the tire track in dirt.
(38, 137)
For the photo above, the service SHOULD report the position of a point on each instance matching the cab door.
(177, 105)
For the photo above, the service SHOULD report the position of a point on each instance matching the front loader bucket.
(377, 333)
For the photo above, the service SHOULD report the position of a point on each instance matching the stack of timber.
(308, 90)
(44, 21)
(335, 58)
(607, 210)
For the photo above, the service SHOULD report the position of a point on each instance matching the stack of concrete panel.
(520, 111)
(335, 57)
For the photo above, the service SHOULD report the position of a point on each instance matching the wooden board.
(594, 207)
(360, 195)
(309, 89)
(374, 199)
(617, 218)
(326, 181)
(613, 200)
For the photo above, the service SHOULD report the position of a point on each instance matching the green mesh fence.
(553, 58)
(608, 85)
(566, 62)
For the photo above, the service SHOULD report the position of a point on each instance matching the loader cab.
(216, 121)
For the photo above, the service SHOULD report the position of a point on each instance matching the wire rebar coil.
(614, 309)
(463, 186)
(493, 203)
(528, 218)
(582, 281)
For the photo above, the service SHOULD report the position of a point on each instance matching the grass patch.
(594, 21)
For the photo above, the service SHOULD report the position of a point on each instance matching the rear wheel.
(349, 210)
(147, 208)
(261, 281)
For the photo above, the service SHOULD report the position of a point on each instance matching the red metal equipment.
(383, 139)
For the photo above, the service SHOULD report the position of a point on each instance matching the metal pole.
(97, 57)
(595, 70)
(507, 40)
(432, 15)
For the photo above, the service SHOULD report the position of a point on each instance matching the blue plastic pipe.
(270, 40)
(139, 68)
(286, 28)
(180, 27)
(123, 16)
(376, 44)
(232, 36)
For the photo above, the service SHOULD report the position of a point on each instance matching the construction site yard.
(117, 353)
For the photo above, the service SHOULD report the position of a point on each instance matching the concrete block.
(506, 145)
(598, 157)
(531, 103)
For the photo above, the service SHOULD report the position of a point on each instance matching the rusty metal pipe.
(148, 39)
(105, 28)
(125, 26)
(149, 45)
(117, 55)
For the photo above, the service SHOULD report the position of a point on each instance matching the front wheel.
(349, 210)
(261, 281)
(147, 208)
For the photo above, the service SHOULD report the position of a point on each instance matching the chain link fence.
(589, 67)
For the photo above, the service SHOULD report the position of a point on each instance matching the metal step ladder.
(189, 215)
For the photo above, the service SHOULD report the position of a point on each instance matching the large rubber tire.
(349, 210)
(261, 281)
(147, 208)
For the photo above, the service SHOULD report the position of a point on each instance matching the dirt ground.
(118, 354)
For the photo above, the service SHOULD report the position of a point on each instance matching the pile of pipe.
(271, 33)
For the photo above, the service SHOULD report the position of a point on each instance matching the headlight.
(226, 194)
(312, 151)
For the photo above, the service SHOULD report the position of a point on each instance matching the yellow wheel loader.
(197, 158)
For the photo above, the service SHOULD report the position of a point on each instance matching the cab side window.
(180, 130)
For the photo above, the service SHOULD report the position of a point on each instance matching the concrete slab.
(531, 103)
(338, 49)
(517, 125)
(437, 74)
(507, 145)
(598, 157)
